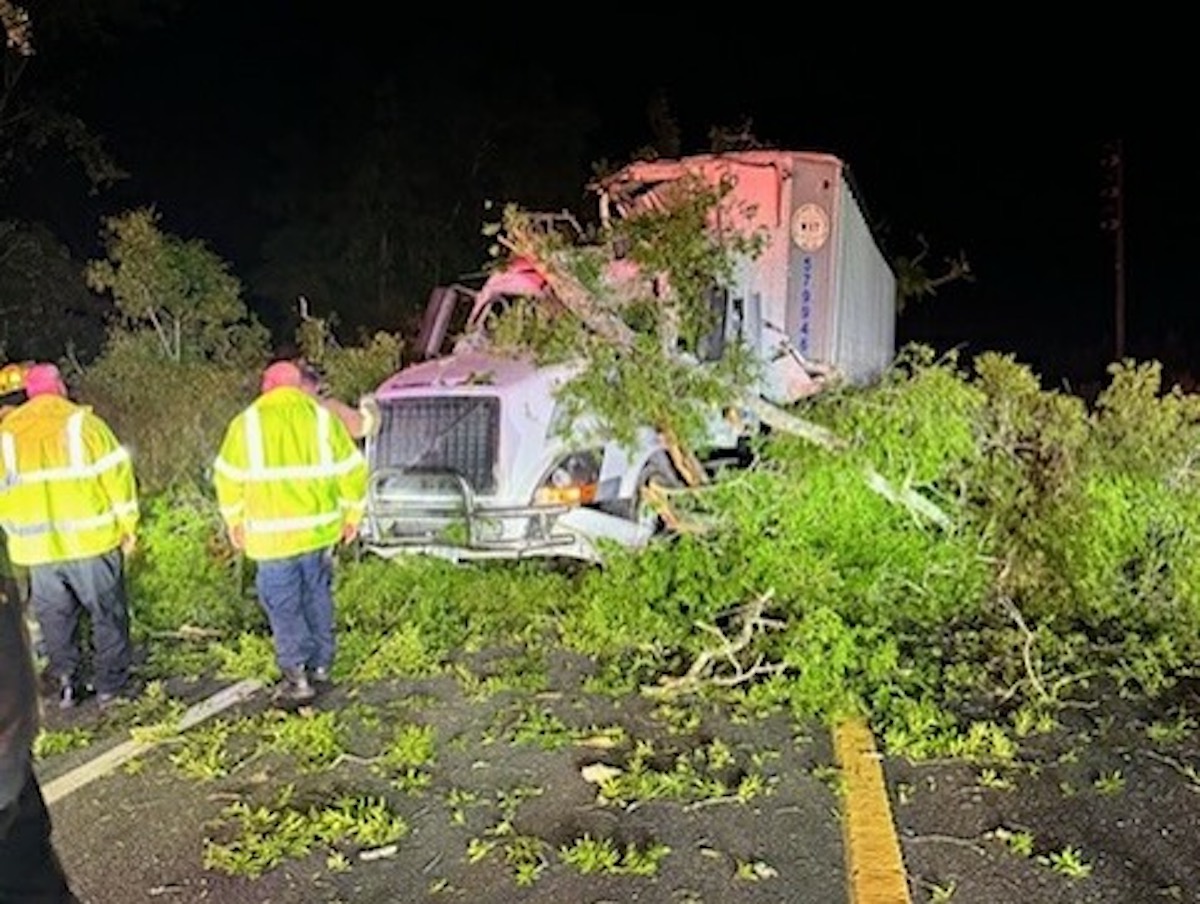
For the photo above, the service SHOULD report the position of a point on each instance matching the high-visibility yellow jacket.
(289, 475)
(67, 488)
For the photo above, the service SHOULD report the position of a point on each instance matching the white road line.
(127, 750)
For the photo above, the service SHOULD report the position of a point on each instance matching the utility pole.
(1112, 165)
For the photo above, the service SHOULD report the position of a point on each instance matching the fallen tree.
(636, 301)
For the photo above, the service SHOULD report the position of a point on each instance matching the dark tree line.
(357, 187)
(50, 160)
(370, 201)
(395, 201)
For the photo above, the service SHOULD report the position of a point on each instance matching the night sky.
(1005, 174)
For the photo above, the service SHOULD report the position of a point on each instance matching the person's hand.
(349, 533)
(368, 411)
(237, 537)
(129, 544)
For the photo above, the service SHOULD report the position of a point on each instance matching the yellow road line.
(106, 762)
(873, 862)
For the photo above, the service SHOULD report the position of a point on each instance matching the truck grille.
(459, 434)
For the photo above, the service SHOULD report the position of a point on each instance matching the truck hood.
(463, 369)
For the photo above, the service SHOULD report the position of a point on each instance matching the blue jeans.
(297, 595)
(61, 592)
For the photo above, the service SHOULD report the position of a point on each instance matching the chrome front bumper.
(437, 513)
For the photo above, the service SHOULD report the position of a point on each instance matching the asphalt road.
(139, 836)
(1105, 810)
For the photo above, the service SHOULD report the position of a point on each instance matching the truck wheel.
(655, 472)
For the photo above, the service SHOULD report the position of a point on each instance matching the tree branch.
(701, 672)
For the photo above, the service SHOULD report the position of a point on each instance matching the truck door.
(446, 313)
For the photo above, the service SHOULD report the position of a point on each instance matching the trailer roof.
(636, 177)
(644, 171)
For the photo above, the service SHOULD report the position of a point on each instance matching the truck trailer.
(470, 459)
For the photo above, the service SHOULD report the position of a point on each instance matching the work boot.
(294, 688)
(320, 675)
(68, 694)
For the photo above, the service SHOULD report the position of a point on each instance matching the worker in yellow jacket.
(291, 484)
(30, 869)
(69, 510)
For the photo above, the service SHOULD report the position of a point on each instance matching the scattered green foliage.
(1109, 783)
(153, 715)
(204, 753)
(539, 726)
(412, 745)
(525, 854)
(53, 743)
(1018, 842)
(990, 778)
(1033, 719)
(604, 856)
(315, 740)
(1068, 862)
(679, 719)
(522, 672)
(457, 800)
(398, 654)
(754, 871)
(832, 777)
(248, 655)
(412, 748)
(707, 772)
(942, 894)
(266, 836)
(1171, 732)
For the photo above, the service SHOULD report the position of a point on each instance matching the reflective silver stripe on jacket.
(284, 525)
(73, 525)
(125, 508)
(76, 467)
(258, 470)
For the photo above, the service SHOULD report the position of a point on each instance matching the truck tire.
(657, 470)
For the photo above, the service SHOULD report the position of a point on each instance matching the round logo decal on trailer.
(810, 227)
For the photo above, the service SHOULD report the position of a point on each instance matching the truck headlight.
(572, 480)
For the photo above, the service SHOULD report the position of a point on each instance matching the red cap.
(281, 373)
(44, 379)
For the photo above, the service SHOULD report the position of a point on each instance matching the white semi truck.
(470, 460)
